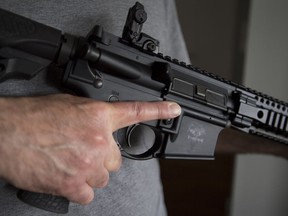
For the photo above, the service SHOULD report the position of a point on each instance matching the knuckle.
(95, 108)
(99, 138)
(159, 110)
(98, 107)
(114, 164)
(86, 161)
(104, 181)
(137, 110)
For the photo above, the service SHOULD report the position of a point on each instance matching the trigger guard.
(149, 153)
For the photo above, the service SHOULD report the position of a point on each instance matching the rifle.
(108, 68)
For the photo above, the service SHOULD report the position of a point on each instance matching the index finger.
(129, 113)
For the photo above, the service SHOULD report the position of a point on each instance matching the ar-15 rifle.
(108, 68)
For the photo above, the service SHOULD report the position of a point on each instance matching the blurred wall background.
(260, 182)
(215, 35)
(244, 41)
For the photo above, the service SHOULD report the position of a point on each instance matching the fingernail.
(174, 109)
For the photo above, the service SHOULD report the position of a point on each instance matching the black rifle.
(108, 68)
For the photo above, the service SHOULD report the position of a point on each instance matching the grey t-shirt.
(136, 189)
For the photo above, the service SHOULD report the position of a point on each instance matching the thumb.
(129, 113)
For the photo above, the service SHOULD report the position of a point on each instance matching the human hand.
(63, 144)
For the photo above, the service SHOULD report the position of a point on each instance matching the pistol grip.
(48, 202)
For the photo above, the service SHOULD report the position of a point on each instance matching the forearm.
(236, 142)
